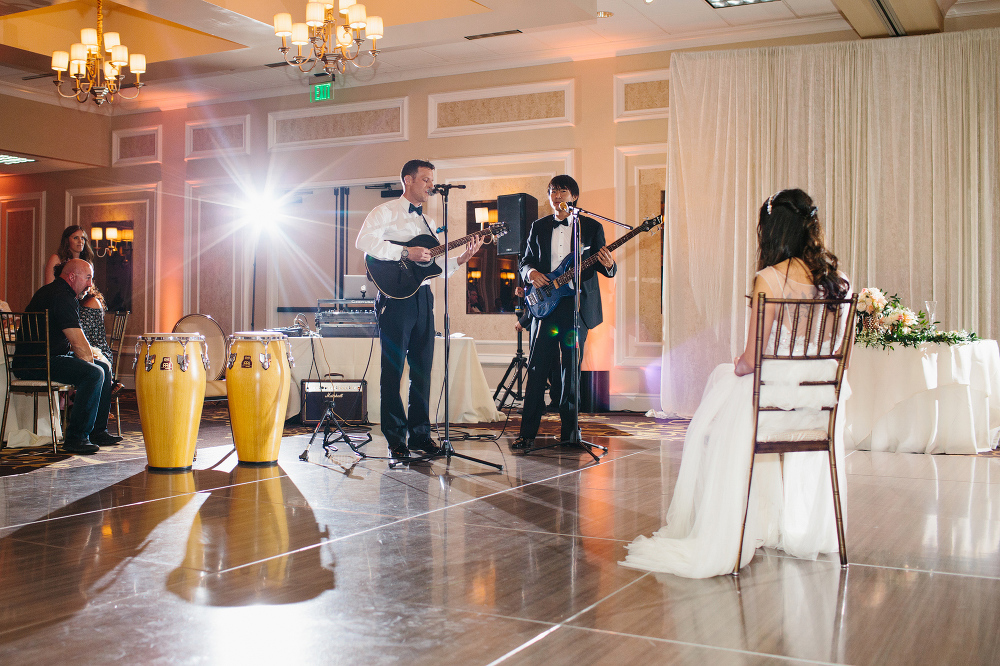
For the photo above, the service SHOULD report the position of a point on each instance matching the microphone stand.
(447, 449)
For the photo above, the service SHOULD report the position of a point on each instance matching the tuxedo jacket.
(538, 253)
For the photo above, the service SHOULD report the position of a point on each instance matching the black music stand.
(447, 450)
(576, 437)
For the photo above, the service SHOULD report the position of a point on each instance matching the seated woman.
(791, 504)
(92, 310)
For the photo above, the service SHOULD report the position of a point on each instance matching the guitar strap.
(427, 224)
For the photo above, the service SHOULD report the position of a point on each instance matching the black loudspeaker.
(350, 400)
(518, 211)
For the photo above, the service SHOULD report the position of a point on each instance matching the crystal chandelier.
(96, 71)
(326, 40)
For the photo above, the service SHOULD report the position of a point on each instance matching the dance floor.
(339, 561)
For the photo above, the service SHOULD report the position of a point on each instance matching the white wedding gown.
(790, 508)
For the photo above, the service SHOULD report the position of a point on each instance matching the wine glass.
(930, 306)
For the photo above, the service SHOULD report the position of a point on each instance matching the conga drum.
(258, 377)
(170, 389)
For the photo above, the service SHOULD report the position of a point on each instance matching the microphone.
(443, 189)
(566, 208)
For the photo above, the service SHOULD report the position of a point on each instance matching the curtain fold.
(895, 139)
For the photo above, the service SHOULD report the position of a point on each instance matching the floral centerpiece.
(883, 321)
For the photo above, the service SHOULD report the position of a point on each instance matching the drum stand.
(330, 423)
(447, 450)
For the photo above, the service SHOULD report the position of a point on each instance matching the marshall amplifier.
(350, 400)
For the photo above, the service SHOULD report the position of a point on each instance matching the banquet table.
(935, 398)
(470, 397)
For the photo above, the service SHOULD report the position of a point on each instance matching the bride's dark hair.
(789, 228)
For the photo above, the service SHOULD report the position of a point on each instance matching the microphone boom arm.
(573, 209)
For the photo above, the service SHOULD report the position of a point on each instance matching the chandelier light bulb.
(300, 34)
(119, 55)
(78, 53)
(88, 36)
(283, 25)
(137, 63)
(356, 16)
(373, 27)
(315, 14)
(60, 61)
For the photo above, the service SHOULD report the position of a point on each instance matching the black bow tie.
(419, 210)
(561, 223)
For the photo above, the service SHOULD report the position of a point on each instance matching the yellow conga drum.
(170, 389)
(258, 377)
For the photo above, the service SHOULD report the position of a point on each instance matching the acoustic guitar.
(402, 278)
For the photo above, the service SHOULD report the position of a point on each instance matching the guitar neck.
(439, 250)
(592, 259)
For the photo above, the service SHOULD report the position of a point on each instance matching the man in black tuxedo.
(549, 241)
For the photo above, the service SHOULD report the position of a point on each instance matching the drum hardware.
(265, 360)
(329, 423)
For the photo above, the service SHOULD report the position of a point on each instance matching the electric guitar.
(543, 300)
(402, 278)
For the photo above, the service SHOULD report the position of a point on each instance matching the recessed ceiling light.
(12, 159)
(605, 14)
(722, 4)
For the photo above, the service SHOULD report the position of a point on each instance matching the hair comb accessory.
(813, 212)
(770, 199)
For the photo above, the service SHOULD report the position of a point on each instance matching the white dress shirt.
(393, 221)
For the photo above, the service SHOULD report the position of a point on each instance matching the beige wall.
(195, 258)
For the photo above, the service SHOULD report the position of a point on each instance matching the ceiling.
(201, 51)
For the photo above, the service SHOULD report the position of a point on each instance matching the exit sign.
(321, 92)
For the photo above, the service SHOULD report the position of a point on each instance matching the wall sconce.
(482, 216)
(109, 240)
(475, 275)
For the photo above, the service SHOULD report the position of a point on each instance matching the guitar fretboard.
(436, 251)
(592, 259)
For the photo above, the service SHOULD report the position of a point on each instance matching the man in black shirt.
(72, 360)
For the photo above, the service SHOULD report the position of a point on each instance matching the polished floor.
(329, 562)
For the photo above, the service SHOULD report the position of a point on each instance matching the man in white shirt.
(406, 325)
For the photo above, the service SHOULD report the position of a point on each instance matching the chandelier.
(96, 71)
(326, 40)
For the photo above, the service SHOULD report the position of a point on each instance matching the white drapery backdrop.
(896, 140)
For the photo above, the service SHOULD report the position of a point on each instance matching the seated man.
(72, 359)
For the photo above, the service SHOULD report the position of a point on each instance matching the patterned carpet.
(215, 431)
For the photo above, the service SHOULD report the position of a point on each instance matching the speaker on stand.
(518, 211)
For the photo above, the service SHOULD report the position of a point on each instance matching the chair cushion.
(37, 383)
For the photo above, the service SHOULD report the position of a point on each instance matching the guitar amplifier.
(350, 400)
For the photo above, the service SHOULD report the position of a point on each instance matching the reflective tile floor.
(329, 562)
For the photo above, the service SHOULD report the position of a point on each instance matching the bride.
(791, 504)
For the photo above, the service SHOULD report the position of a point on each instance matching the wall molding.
(625, 356)
(127, 194)
(116, 139)
(565, 119)
(193, 126)
(623, 80)
(401, 134)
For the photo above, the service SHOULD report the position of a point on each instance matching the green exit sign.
(321, 92)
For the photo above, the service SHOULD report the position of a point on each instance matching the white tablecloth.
(931, 399)
(21, 413)
(470, 397)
